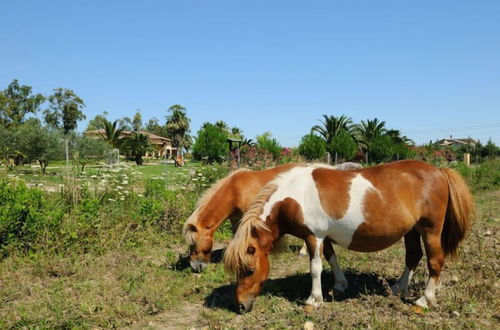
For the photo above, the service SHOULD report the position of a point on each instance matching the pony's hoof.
(315, 302)
(341, 286)
(425, 302)
(398, 291)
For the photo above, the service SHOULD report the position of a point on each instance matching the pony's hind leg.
(412, 259)
(314, 249)
(435, 262)
(329, 253)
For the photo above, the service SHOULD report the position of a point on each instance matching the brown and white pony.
(362, 210)
(230, 198)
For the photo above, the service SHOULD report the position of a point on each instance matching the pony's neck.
(215, 211)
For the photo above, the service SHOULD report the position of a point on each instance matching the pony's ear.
(251, 250)
(192, 228)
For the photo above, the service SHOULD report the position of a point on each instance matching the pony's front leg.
(314, 248)
(341, 283)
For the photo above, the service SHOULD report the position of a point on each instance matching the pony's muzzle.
(245, 308)
(197, 265)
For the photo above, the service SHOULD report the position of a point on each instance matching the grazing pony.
(362, 210)
(230, 198)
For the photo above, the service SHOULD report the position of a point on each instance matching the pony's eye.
(249, 272)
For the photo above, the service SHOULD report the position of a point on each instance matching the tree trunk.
(43, 164)
(138, 159)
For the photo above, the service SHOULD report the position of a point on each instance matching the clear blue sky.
(429, 68)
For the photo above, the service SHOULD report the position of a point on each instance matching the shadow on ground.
(296, 288)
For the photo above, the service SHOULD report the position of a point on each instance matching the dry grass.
(145, 286)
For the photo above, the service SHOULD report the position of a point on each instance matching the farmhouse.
(161, 145)
(457, 143)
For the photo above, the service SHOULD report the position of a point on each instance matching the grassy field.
(138, 278)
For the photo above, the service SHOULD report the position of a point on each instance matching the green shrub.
(27, 217)
(312, 147)
(482, 177)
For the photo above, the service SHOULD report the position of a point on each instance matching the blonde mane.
(201, 203)
(236, 256)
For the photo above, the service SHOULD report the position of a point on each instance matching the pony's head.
(212, 208)
(200, 242)
(248, 253)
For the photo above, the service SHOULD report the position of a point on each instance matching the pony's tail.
(458, 214)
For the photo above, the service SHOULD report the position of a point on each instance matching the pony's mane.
(236, 257)
(202, 202)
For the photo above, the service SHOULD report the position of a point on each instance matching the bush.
(312, 147)
(483, 177)
(211, 143)
(27, 217)
(343, 145)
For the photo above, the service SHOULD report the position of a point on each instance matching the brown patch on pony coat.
(333, 187)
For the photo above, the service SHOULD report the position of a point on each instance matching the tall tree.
(137, 122)
(17, 101)
(331, 126)
(397, 138)
(368, 130)
(153, 126)
(236, 132)
(210, 143)
(65, 110)
(98, 122)
(222, 125)
(178, 125)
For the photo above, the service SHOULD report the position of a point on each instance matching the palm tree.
(221, 124)
(331, 126)
(369, 130)
(138, 145)
(237, 132)
(178, 125)
(248, 142)
(397, 138)
(112, 134)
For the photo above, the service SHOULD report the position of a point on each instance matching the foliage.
(38, 143)
(138, 145)
(331, 126)
(382, 149)
(482, 177)
(312, 147)
(342, 146)
(137, 122)
(367, 131)
(87, 150)
(27, 217)
(17, 101)
(178, 125)
(65, 110)
(153, 126)
(98, 122)
(112, 134)
(211, 142)
(268, 143)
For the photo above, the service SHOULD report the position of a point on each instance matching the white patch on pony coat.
(299, 185)
(316, 297)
